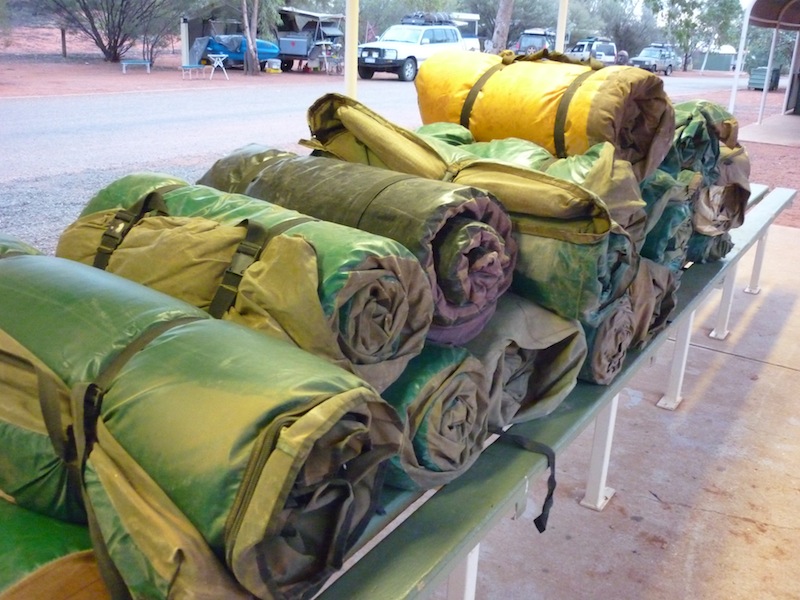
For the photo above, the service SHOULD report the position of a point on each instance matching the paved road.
(59, 151)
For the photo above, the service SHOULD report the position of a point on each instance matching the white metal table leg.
(463, 580)
(755, 274)
(673, 398)
(721, 331)
(597, 494)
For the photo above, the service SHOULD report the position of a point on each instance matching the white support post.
(672, 398)
(597, 494)
(755, 274)
(720, 331)
(463, 579)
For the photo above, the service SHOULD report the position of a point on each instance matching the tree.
(115, 25)
(502, 24)
(4, 21)
(691, 23)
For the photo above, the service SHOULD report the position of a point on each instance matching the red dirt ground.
(31, 64)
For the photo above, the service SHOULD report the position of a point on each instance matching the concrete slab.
(781, 130)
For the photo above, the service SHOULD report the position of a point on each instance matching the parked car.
(534, 39)
(603, 49)
(402, 48)
(235, 45)
(657, 57)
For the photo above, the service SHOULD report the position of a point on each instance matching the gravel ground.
(31, 65)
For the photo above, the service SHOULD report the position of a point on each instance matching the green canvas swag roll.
(443, 398)
(531, 357)
(360, 300)
(460, 235)
(608, 338)
(37, 452)
(217, 462)
(562, 228)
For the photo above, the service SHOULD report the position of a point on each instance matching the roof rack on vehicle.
(427, 18)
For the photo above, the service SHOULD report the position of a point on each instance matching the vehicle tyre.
(262, 66)
(668, 70)
(408, 71)
(365, 73)
(286, 65)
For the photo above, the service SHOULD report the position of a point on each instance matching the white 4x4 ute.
(401, 48)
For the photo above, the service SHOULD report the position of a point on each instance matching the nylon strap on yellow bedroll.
(86, 401)
(507, 57)
(561, 113)
(125, 219)
(248, 252)
(538, 448)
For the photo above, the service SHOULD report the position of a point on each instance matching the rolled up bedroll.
(653, 300)
(721, 206)
(658, 190)
(562, 228)
(443, 398)
(608, 338)
(700, 127)
(708, 248)
(597, 170)
(460, 235)
(11, 246)
(37, 450)
(360, 300)
(43, 557)
(667, 241)
(213, 445)
(531, 357)
(563, 106)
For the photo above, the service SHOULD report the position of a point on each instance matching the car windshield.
(532, 41)
(398, 33)
(651, 52)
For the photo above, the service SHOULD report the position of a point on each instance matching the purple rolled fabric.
(462, 236)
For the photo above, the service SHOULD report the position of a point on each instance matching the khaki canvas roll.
(216, 462)
(360, 300)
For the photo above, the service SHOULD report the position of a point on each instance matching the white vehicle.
(402, 48)
(603, 49)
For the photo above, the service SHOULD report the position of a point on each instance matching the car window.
(427, 37)
(451, 36)
(439, 36)
(607, 49)
(398, 33)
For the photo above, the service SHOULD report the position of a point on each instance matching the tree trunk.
(502, 23)
(249, 25)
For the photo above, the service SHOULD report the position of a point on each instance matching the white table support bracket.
(597, 493)
(672, 398)
(463, 580)
(755, 274)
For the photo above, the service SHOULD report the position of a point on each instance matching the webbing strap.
(561, 113)
(86, 402)
(249, 250)
(472, 96)
(125, 219)
(538, 448)
(365, 198)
